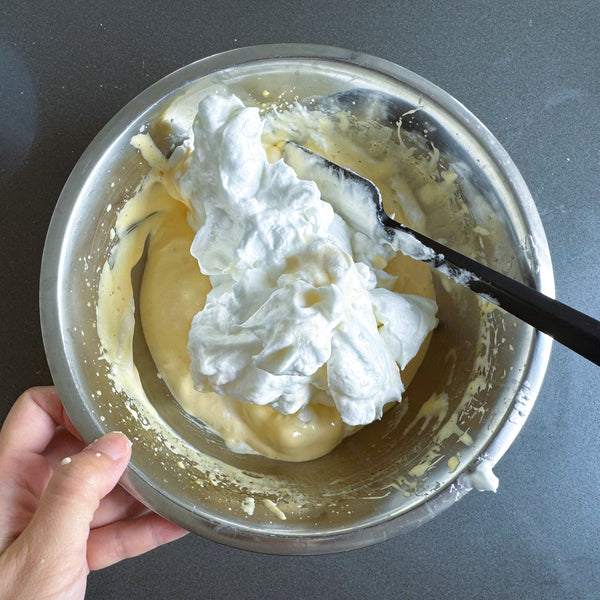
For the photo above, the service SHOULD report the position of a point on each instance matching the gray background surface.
(530, 71)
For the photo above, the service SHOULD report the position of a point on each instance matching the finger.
(68, 424)
(117, 506)
(62, 522)
(31, 422)
(63, 444)
(125, 539)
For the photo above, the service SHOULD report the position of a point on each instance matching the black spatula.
(577, 331)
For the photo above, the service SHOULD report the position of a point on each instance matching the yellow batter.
(173, 290)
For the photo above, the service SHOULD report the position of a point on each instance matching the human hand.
(62, 517)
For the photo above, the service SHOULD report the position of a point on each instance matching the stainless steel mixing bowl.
(391, 476)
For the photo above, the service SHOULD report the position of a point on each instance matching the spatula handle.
(576, 330)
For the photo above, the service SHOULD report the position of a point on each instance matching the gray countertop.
(530, 71)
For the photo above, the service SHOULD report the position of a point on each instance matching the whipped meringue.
(298, 312)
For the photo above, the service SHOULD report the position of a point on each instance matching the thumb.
(66, 508)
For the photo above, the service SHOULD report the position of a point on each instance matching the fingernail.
(128, 440)
(115, 445)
